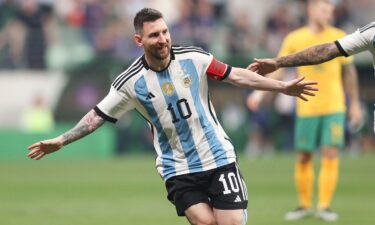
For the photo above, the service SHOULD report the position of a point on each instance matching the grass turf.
(129, 191)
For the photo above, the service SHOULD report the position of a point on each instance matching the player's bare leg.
(230, 217)
(200, 214)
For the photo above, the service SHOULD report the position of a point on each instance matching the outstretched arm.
(310, 56)
(256, 97)
(296, 87)
(88, 124)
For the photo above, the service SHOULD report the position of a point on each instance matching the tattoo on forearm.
(311, 56)
(88, 124)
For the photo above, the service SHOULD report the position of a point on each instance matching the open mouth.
(162, 48)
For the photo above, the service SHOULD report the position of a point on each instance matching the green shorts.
(313, 132)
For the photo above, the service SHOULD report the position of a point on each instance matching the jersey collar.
(145, 64)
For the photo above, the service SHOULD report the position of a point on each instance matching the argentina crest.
(186, 79)
(167, 88)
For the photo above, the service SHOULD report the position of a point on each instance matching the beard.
(161, 52)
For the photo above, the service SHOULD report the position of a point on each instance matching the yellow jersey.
(330, 97)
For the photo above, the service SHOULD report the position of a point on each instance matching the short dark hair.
(145, 15)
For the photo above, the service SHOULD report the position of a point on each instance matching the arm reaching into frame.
(310, 56)
(248, 79)
(88, 124)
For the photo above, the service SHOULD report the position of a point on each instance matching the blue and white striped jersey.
(187, 135)
(361, 40)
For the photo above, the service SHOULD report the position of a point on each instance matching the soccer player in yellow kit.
(320, 122)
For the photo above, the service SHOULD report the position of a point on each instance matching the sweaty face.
(156, 39)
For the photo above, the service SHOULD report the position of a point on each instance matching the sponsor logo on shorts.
(238, 199)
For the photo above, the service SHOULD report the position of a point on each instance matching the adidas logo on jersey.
(238, 199)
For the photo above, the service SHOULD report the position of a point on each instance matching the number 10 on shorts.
(230, 179)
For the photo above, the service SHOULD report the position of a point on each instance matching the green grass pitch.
(129, 191)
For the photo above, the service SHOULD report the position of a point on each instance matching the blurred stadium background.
(57, 60)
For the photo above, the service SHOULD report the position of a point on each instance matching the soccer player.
(363, 39)
(168, 87)
(319, 123)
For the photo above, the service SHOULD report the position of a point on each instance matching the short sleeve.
(206, 63)
(114, 105)
(217, 70)
(359, 41)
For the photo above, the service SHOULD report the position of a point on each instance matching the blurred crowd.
(47, 34)
(65, 35)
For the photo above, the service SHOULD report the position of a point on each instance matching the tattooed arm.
(88, 124)
(310, 56)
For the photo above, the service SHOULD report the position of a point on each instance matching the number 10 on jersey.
(183, 110)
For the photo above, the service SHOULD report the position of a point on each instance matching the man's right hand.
(299, 88)
(263, 66)
(39, 149)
